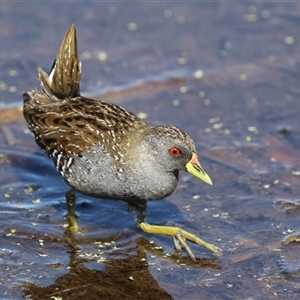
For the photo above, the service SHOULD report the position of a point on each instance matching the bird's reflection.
(128, 277)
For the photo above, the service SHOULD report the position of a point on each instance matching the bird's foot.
(180, 237)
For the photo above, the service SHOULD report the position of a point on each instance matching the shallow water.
(243, 114)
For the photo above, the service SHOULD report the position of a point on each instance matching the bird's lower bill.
(194, 168)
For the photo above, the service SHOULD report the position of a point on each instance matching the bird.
(102, 150)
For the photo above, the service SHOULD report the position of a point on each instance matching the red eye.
(174, 151)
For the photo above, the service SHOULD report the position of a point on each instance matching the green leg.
(179, 235)
(71, 200)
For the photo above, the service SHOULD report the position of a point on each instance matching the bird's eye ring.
(174, 151)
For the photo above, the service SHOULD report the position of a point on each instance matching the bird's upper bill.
(194, 167)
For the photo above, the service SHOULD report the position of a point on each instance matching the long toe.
(180, 237)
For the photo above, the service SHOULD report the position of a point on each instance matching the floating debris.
(243, 77)
(289, 40)
(132, 26)
(198, 74)
(102, 56)
(142, 115)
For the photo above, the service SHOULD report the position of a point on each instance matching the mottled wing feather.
(75, 125)
(64, 123)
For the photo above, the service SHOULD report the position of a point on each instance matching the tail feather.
(64, 78)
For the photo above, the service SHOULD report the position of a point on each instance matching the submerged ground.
(228, 74)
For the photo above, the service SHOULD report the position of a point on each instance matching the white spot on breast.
(59, 156)
(70, 160)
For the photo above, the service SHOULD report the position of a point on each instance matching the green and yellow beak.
(194, 167)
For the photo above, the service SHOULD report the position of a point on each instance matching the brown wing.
(72, 126)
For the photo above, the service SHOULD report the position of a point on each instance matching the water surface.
(228, 74)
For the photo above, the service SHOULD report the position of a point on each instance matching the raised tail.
(64, 78)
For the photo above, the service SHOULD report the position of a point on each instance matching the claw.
(180, 237)
(176, 243)
(182, 240)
